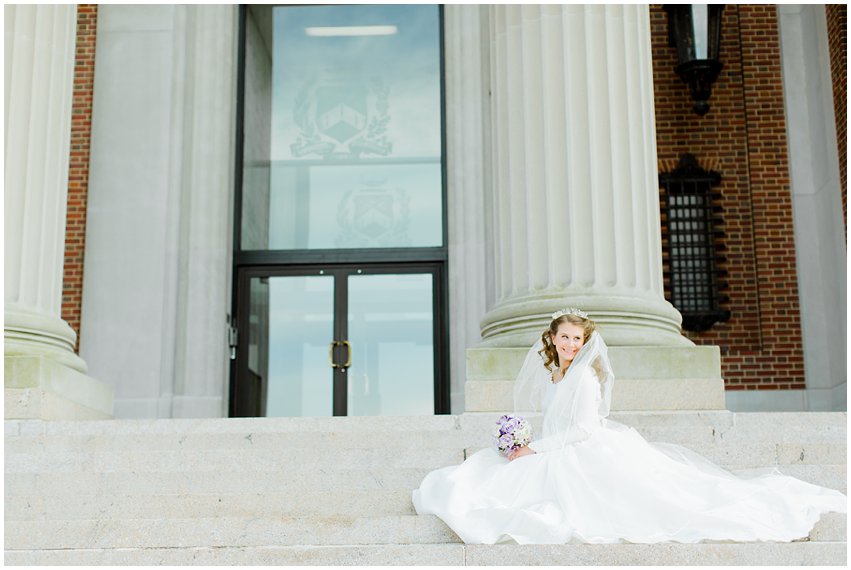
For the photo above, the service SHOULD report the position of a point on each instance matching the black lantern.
(695, 30)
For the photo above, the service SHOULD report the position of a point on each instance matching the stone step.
(677, 427)
(466, 431)
(234, 479)
(281, 441)
(57, 496)
(833, 527)
(322, 503)
(725, 554)
(478, 434)
(65, 504)
(330, 457)
(296, 480)
(751, 455)
(341, 424)
(773, 424)
(673, 554)
(263, 531)
(248, 460)
(318, 506)
(830, 476)
(226, 532)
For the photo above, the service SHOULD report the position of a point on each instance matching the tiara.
(569, 311)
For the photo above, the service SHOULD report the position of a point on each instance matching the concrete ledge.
(646, 378)
(761, 553)
(627, 361)
(630, 394)
(651, 394)
(743, 554)
(365, 555)
(42, 388)
(227, 531)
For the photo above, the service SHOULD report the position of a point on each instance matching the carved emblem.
(373, 215)
(342, 119)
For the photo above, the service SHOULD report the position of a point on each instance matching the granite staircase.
(336, 491)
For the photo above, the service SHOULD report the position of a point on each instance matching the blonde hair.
(549, 353)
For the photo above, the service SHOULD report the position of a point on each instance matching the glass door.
(344, 340)
(391, 332)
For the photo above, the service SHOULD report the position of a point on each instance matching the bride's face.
(568, 340)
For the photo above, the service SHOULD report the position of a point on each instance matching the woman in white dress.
(590, 479)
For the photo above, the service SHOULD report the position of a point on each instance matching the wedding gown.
(597, 481)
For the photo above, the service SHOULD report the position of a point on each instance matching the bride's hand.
(520, 452)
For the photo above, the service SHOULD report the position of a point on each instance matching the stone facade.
(743, 137)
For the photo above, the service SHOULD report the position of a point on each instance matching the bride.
(590, 479)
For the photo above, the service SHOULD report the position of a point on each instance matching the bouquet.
(512, 432)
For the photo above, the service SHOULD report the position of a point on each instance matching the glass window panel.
(391, 331)
(342, 127)
(300, 324)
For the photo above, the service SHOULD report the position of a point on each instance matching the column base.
(44, 378)
(37, 387)
(622, 320)
(646, 378)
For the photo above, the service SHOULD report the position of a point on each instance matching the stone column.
(43, 376)
(576, 205)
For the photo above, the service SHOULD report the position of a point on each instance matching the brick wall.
(837, 32)
(78, 171)
(743, 137)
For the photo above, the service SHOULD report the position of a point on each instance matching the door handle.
(331, 346)
(348, 346)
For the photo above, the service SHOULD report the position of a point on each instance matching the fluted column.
(576, 199)
(39, 63)
(44, 378)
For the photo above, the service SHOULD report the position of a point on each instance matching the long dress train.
(602, 482)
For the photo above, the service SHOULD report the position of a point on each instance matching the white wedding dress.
(597, 481)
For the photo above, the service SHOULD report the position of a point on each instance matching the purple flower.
(509, 428)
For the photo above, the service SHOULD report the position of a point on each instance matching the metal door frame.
(340, 274)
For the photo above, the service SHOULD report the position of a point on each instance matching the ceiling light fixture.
(335, 31)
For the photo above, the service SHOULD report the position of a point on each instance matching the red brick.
(744, 138)
(78, 168)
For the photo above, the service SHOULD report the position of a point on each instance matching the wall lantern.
(695, 30)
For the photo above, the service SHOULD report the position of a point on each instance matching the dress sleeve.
(586, 422)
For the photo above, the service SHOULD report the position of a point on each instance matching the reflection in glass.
(300, 326)
(342, 127)
(391, 332)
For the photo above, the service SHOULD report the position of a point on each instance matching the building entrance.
(340, 236)
(340, 340)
